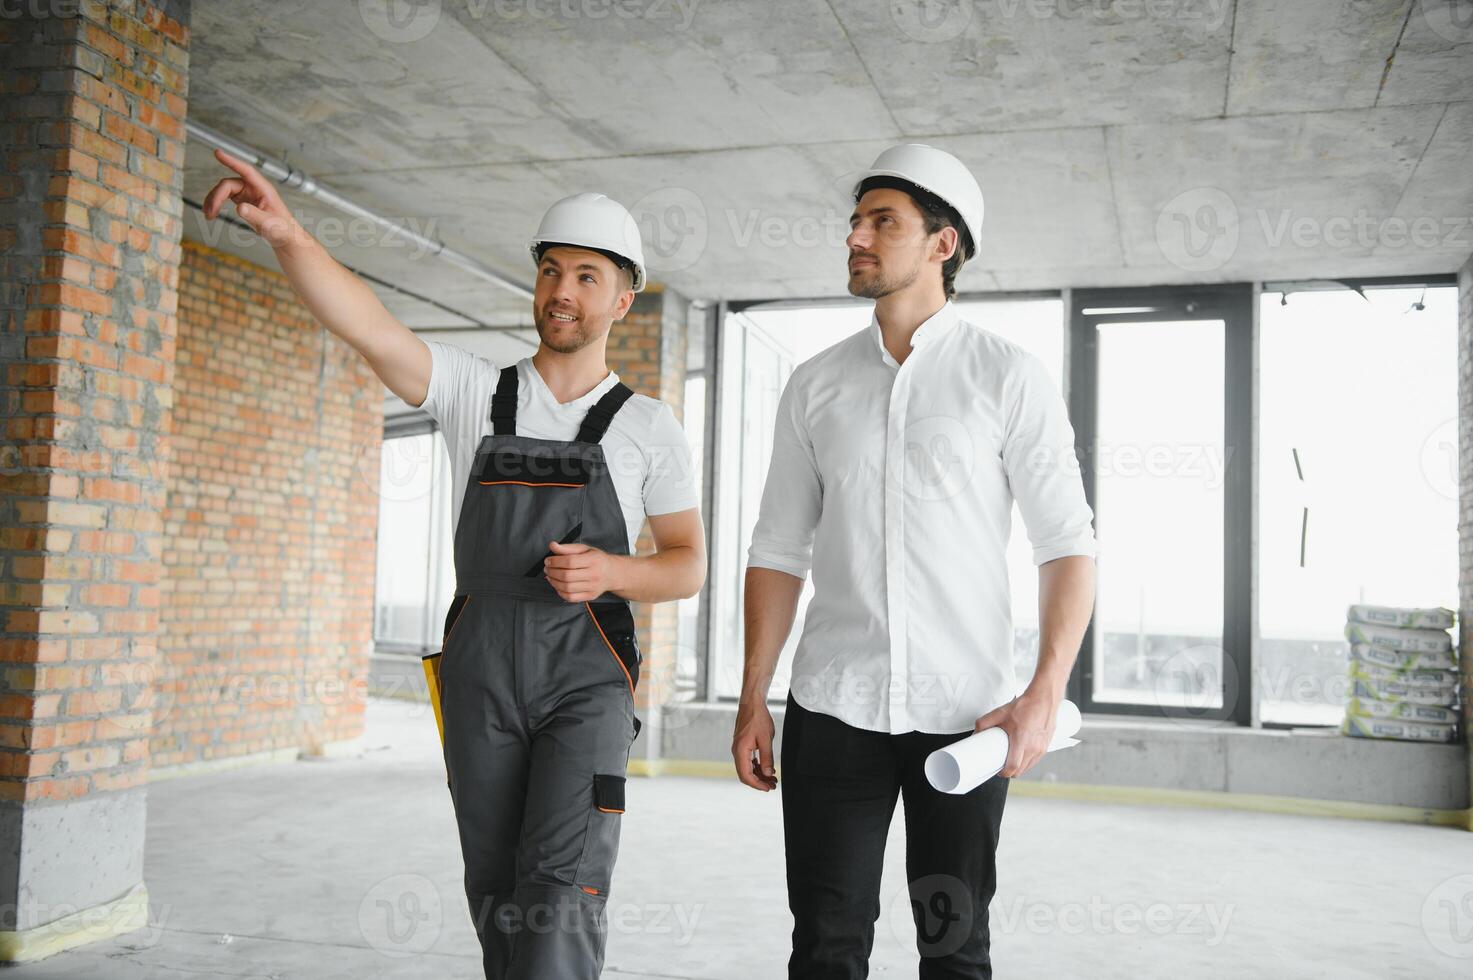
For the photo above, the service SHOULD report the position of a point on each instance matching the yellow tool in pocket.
(431, 663)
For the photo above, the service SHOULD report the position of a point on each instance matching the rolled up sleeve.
(452, 373)
(1042, 469)
(792, 497)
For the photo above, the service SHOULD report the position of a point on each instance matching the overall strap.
(504, 403)
(596, 422)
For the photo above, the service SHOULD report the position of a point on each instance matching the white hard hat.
(932, 170)
(593, 221)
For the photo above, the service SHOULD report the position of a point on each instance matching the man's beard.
(567, 342)
(881, 285)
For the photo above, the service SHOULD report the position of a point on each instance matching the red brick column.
(92, 143)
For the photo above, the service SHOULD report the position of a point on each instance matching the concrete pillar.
(1465, 508)
(92, 142)
(647, 349)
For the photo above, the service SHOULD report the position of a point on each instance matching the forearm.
(339, 300)
(1066, 590)
(770, 606)
(670, 573)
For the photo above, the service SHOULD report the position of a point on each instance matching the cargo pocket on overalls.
(615, 622)
(601, 841)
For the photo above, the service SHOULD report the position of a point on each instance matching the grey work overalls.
(537, 698)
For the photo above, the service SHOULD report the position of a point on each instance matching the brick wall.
(269, 529)
(92, 144)
(647, 350)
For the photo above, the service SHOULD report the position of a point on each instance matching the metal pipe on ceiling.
(289, 176)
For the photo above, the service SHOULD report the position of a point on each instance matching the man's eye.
(588, 278)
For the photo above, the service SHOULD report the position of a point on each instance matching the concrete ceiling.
(1148, 141)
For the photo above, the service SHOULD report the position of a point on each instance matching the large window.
(1330, 430)
(1357, 477)
(416, 563)
(1159, 492)
(1161, 400)
(760, 348)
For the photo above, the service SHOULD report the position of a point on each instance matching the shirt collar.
(541, 388)
(936, 326)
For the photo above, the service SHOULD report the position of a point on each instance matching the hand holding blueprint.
(964, 765)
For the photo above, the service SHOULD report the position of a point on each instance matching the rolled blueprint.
(966, 764)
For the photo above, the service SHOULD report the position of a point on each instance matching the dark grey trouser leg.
(488, 757)
(570, 836)
(950, 864)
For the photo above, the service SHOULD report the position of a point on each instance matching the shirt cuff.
(669, 509)
(1084, 545)
(793, 568)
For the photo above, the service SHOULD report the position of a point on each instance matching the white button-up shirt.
(894, 483)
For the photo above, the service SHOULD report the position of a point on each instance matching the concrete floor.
(318, 869)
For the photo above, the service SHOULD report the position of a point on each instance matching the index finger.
(248, 173)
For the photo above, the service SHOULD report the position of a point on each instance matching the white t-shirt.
(647, 453)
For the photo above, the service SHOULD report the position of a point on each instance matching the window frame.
(1235, 305)
(404, 426)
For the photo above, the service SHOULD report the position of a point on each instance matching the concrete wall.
(1465, 502)
(1160, 761)
(270, 524)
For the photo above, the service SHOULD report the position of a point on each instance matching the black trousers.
(839, 786)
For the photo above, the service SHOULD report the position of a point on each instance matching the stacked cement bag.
(1403, 674)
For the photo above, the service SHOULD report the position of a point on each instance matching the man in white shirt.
(556, 464)
(897, 456)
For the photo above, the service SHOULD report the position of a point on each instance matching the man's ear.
(947, 242)
(626, 300)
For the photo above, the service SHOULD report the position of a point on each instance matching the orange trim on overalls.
(458, 617)
(612, 651)
(523, 483)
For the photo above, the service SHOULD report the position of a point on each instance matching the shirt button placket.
(895, 559)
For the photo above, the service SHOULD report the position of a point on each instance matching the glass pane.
(404, 525)
(1363, 390)
(689, 609)
(771, 343)
(768, 363)
(1159, 504)
(443, 557)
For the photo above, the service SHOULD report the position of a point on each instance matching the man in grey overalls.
(536, 678)
(537, 692)
(537, 696)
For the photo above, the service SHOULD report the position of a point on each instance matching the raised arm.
(339, 300)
